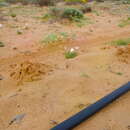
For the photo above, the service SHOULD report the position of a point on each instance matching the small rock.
(19, 90)
(72, 50)
(53, 122)
(1, 77)
(81, 106)
(128, 127)
(77, 47)
(1, 25)
(14, 48)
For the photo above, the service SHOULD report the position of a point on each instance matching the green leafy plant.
(13, 15)
(72, 14)
(51, 38)
(55, 37)
(69, 54)
(119, 73)
(126, 1)
(46, 16)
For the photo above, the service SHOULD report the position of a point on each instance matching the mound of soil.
(28, 71)
(123, 54)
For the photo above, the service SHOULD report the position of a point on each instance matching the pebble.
(1, 77)
(1, 25)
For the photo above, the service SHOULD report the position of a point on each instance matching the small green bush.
(51, 38)
(121, 42)
(13, 15)
(69, 54)
(72, 13)
(55, 37)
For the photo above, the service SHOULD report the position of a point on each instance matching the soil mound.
(123, 54)
(28, 71)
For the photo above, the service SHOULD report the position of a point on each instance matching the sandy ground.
(39, 82)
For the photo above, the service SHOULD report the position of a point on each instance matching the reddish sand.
(48, 88)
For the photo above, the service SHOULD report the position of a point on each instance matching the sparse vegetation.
(13, 15)
(51, 38)
(121, 42)
(86, 8)
(72, 14)
(70, 54)
(19, 32)
(83, 74)
(55, 37)
(56, 13)
(125, 22)
(119, 73)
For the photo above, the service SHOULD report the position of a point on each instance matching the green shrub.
(55, 37)
(69, 54)
(51, 38)
(72, 13)
(13, 15)
(121, 42)
(56, 13)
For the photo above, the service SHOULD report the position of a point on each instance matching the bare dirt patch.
(123, 54)
(51, 88)
(29, 71)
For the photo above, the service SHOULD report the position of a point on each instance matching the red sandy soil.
(48, 88)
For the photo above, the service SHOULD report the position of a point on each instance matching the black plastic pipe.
(92, 109)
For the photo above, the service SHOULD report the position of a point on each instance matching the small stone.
(72, 50)
(1, 25)
(53, 122)
(128, 127)
(14, 48)
(77, 47)
(19, 90)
